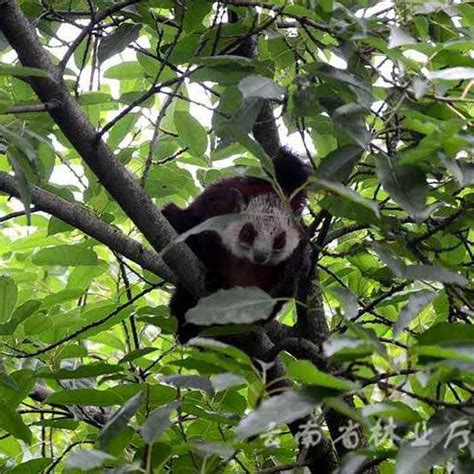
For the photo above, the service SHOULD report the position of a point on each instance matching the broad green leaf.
(234, 306)
(225, 381)
(196, 11)
(117, 41)
(348, 300)
(66, 256)
(331, 73)
(406, 185)
(279, 409)
(8, 382)
(21, 71)
(261, 87)
(124, 70)
(8, 297)
(12, 423)
(85, 371)
(218, 449)
(136, 354)
(415, 305)
(433, 273)
(447, 334)
(34, 466)
(191, 133)
(348, 349)
(399, 37)
(84, 397)
(119, 421)
(350, 121)
(306, 373)
(392, 409)
(338, 165)
(157, 423)
(87, 459)
(353, 197)
(452, 74)
(189, 382)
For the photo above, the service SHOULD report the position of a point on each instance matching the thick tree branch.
(116, 179)
(91, 225)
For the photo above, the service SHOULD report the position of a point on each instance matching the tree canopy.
(111, 109)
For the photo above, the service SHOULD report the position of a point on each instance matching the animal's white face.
(266, 233)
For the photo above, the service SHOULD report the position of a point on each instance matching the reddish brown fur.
(224, 270)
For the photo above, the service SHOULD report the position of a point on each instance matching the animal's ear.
(239, 203)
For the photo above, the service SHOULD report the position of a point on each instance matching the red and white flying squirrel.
(259, 249)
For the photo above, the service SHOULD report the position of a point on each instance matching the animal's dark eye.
(247, 234)
(279, 241)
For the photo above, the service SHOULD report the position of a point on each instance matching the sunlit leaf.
(234, 306)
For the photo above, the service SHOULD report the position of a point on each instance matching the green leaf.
(350, 121)
(306, 373)
(392, 409)
(353, 197)
(406, 185)
(66, 256)
(338, 165)
(189, 382)
(157, 423)
(84, 397)
(21, 71)
(399, 37)
(191, 133)
(234, 306)
(417, 302)
(119, 421)
(84, 371)
(261, 87)
(34, 466)
(348, 349)
(330, 73)
(8, 297)
(12, 423)
(447, 334)
(136, 354)
(19, 315)
(348, 300)
(225, 381)
(87, 459)
(208, 449)
(452, 74)
(433, 273)
(125, 70)
(117, 41)
(8, 382)
(284, 408)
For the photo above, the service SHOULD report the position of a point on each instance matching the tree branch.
(26, 109)
(116, 179)
(91, 225)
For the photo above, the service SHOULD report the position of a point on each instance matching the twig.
(88, 29)
(26, 109)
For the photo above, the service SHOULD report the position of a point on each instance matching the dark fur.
(224, 270)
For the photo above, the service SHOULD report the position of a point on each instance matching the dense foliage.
(379, 97)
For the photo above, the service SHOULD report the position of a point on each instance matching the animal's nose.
(260, 257)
